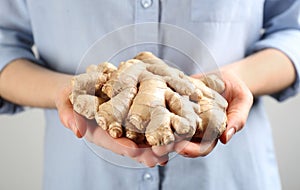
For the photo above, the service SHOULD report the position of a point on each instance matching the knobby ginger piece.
(150, 102)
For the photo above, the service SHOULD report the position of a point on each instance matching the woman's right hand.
(89, 129)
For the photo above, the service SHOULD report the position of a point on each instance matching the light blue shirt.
(63, 30)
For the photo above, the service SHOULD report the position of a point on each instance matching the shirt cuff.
(9, 108)
(288, 42)
(12, 54)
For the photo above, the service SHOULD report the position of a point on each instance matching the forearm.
(264, 72)
(28, 84)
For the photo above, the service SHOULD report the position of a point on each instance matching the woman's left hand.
(240, 100)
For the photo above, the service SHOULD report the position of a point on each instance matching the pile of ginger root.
(150, 102)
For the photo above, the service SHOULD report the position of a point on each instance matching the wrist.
(39, 85)
(239, 69)
(265, 72)
(61, 84)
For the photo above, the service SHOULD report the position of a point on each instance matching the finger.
(81, 124)
(193, 149)
(149, 159)
(125, 147)
(240, 101)
(164, 163)
(163, 160)
(237, 114)
(236, 119)
(65, 110)
(163, 150)
(122, 146)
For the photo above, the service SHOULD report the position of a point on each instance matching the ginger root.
(149, 102)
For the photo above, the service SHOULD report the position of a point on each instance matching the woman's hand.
(254, 75)
(236, 92)
(239, 100)
(89, 129)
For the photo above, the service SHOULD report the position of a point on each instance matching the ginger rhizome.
(150, 102)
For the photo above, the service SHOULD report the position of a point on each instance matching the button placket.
(147, 14)
(148, 177)
(146, 3)
(147, 11)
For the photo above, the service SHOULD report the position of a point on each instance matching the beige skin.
(28, 84)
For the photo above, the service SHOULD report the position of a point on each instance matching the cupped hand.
(186, 148)
(236, 93)
(240, 100)
(89, 129)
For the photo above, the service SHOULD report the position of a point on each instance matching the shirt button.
(148, 177)
(146, 3)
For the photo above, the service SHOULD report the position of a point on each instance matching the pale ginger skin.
(142, 117)
(152, 101)
(205, 92)
(86, 89)
(111, 114)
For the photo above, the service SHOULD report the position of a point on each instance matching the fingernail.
(78, 134)
(185, 155)
(73, 127)
(229, 134)
(163, 164)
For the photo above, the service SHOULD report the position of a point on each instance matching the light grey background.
(21, 146)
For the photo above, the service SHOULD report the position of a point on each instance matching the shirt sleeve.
(282, 32)
(16, 40)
